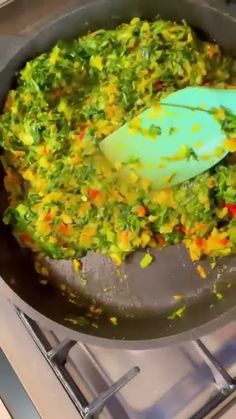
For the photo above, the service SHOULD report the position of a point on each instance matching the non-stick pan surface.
(142, 301)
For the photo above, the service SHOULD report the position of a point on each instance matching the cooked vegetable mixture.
(64, 196)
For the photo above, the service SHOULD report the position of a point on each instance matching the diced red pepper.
(160, 239)
(199, 243)
(141, 211)
(221, 204)
(180, 229)
(231, 208)
(224, 241)
(58, 92)
(212, 50)
(93, 193)
(82, 134)
(158, 85)
(64, 228)
(26, 238)
(48, 218)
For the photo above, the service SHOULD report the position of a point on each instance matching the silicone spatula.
(175, 140)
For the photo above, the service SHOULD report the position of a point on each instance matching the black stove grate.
(56, 356)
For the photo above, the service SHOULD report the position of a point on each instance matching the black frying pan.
(141, 300)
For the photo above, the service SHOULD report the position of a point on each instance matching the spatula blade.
(169, 144)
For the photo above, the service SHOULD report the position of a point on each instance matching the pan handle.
(9, 46)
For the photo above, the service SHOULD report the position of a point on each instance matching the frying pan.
(141, 300)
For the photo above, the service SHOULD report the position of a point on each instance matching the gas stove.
(64, 378)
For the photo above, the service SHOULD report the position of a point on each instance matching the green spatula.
(175, 140)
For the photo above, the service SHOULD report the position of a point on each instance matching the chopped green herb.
(65, 199)
(191, 154)
(177, 313)
(146, 260)
(172, 130)
(154, 130)
(80, 320)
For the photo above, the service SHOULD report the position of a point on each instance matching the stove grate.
(56, 356)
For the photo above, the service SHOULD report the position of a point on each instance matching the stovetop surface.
(173, 382)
